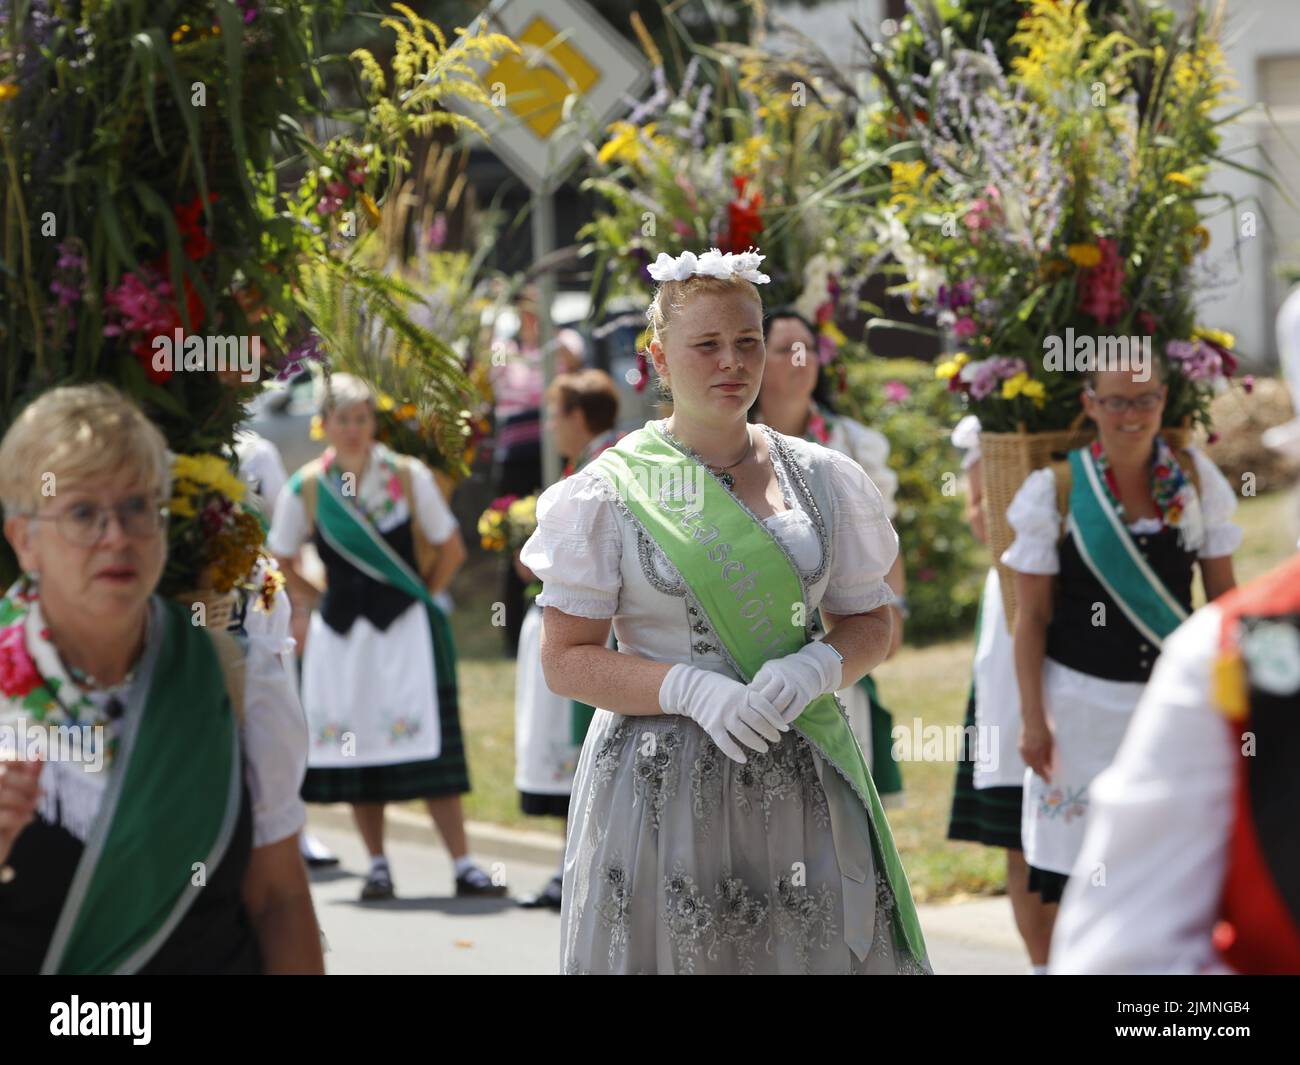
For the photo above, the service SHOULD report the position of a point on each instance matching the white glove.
(792, 682)
(726, 709)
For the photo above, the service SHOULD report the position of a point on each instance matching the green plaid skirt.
(983, 815)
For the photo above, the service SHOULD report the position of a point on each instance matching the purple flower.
(438, 231)
(308, 349)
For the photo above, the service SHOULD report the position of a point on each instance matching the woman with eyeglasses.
(149, 768)
(1105, 546)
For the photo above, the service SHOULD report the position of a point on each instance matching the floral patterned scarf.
(1174, 495)
(36, 688)
(375, 505)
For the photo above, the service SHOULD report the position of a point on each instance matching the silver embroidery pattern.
(777, 446)
(655, 772)
(615, 906)
(606, 761)
(688, 918)
(706, 784)
(804, 916)
(740, 918)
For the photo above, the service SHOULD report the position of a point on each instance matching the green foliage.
(941, 557)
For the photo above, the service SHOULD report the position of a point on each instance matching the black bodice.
(1115, 650)
(351, 594)
(215, 935)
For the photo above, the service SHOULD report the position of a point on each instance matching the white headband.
(713, 263)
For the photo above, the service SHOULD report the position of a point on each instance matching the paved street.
(427, 930)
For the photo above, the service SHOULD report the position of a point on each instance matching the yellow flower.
(385, 402)
(1084, 255)
(625, 144)
(1177, 177)
(1035, 391)
(8, 90)
(206, 473)
(951, 367)
(1013, 386)
(317, 431)
(1217, 336)
(181, 507)
(830, 329)
(903, 176)
(370, 207)
(1202, 236)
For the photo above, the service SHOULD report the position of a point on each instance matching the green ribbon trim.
(753, 605)
(1108, 550)
(357, 540)
(172, 802)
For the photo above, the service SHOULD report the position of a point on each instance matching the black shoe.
(473, 881)
(379, 885)
(546, 899)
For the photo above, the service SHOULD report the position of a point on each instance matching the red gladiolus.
(744, 224)
(188, 221)
(1102, 286)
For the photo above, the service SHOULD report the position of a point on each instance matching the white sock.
(378, 861)
(1038, 970)
(463, 864)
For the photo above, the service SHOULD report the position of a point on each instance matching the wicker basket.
(1006, 459)
(218, 607)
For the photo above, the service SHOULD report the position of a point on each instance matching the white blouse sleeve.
(275, 728)
(966, 436)
(1218, 504)
(288, 524)
(436, 519)
(863, 542)
(577, 548)
(871, 449)
(1037, 524)
(1159, 824)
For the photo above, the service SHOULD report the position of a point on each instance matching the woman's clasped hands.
(753, 714)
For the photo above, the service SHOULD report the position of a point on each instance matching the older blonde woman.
(379, 668)
(148, 810)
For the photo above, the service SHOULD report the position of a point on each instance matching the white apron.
(1088, 716)
(545, 755)
(997, 697)
(371, 697)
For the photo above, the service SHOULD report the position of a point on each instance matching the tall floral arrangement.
(162, 174)
(1061, 195)
(736, 147)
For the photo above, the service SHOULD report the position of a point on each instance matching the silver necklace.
(726, 479)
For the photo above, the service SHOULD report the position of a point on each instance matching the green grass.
(929, 683)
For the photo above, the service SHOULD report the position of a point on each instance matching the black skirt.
(983, 815)
(1051, 886)
(535, 805)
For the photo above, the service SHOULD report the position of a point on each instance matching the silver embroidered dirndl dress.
(678, 859)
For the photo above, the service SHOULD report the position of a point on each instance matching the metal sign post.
(569, 50)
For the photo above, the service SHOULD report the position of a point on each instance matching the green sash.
(749, 588)
(171, 802)
(356, 539)
(1109, 552)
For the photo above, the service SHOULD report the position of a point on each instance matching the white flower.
(666, 268)
(713, 263)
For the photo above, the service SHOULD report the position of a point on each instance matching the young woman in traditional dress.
(582, 408)
(1104, 553)
(165, 839)
(989, 792)
(379, 670)
(723, 817)
(1195, 819)
(794, 399)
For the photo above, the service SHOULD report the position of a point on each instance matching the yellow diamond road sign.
(568, 50)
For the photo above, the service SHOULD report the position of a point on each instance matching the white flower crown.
(713, 263)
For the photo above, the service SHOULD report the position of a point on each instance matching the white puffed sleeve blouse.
(1037, 523)
(595, 562)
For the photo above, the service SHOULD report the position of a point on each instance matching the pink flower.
(357, 172)
(394, 488)
(1248, 383)
(896, 391)
(826, 348)
(1103, 285)
(964, 327)
(1213, 438)
(18, 674)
